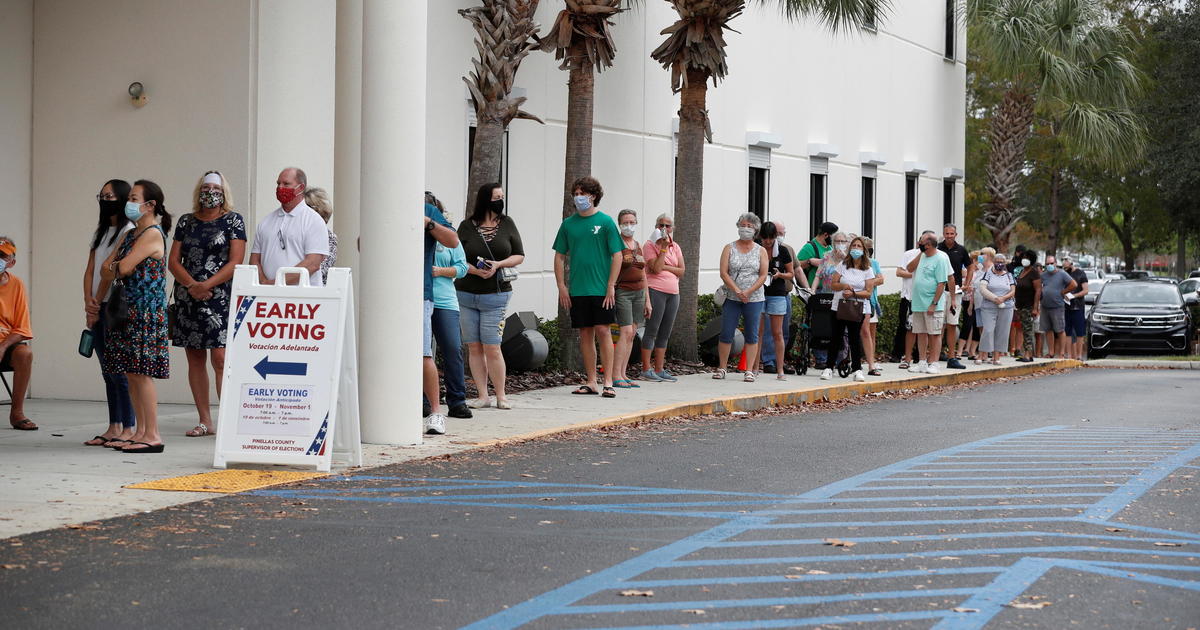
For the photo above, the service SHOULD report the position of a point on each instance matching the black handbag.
(850, 310)
(116, 310)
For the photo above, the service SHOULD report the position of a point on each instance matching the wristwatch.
(429, 226)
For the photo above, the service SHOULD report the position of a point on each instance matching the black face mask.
(111, 207)
(999, 267)
(497, 206)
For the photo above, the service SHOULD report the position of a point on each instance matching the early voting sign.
(291, 385)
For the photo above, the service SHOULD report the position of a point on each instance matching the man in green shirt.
(813, 252)
(590, 240)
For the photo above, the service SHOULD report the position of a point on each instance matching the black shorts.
(588, 311)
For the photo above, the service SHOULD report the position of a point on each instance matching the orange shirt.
(14, 309)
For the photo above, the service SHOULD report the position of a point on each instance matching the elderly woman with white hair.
(744, 266)
(995, 289)
(318, 199)
(208, 244)
(664, 268)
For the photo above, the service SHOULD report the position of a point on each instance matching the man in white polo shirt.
(294, 235)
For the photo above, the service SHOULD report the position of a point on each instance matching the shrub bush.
(549, 330)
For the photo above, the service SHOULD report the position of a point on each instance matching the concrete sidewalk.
(49, 479)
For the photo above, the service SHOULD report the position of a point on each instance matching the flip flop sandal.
(150, 448)
(103, 441)
(585, 390)
(24, 424)
(199, 431)
(623, 384)
(875, 372)
(609, 393)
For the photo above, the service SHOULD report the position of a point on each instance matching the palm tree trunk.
(581, 94)
(1009, 133)
(486, 155)
(1055, 228)
(689, 188)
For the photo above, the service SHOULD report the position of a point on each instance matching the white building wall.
(16, 114)
(247, 86)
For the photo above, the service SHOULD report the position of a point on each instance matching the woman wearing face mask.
(490, 239)
(208, 243)
(853, 280)
(968, 337)
(870, 326)
(779, 276)
(994, 303)
(110, 229)
(633, 297)
(139, 348)
(744, 266)
(1028, 299)
(664, 268)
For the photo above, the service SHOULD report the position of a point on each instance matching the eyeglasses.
(106, 197)
(664, 225)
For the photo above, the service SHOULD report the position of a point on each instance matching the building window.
(947, 201)
(951, 27)
(759, 158)
(818, 188)
(868, 205)
(910, 210)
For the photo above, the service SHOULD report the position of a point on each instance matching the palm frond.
(1108, 136)
(837, 16)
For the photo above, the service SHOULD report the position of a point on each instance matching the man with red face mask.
(294, 235)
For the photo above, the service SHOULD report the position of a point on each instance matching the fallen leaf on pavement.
(960, 609)
(816, 572)
(949, 558)
(1167, 544)
(634, 593)
(1029, 605)
(526, 475)
(695, 611)
(794, 577)
(12, 566)
(839, 543)
(1113, 529)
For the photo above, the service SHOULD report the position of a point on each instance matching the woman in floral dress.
(139, 347)
(209, 243)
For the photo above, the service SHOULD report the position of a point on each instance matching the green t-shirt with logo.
(589, 242)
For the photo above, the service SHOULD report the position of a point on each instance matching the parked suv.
(1140, 315)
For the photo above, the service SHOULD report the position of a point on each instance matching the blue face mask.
(133, 210)
(583, 203)
(980, 259)
(856, 253)
(1050, 268)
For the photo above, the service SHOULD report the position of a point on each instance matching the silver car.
(1096, 280)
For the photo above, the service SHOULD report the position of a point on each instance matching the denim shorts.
(483, 316)
(749, 312)
(1076, 323)
(428, 338)
(777, 304)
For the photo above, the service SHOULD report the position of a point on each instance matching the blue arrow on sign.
(266, 366)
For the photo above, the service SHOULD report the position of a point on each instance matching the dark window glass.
(947, 201)
(816, 200)
(951, 27)
(910, 211)
(868, 206)
(760, 179)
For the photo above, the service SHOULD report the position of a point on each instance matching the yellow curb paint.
(227, 481)
(754, 402)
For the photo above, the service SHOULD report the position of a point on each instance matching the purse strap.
(491, 256)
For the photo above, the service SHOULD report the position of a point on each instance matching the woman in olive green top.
(492, 243)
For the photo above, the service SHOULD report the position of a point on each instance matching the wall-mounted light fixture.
(137, 94)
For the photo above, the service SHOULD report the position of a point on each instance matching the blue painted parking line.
(1020, 494)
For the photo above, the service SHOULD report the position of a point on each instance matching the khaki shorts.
(925, 323)
(631, 307)
(952, 320)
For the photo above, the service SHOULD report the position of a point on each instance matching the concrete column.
(347, 151)
(393, 175)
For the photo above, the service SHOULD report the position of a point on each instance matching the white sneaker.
(920, 368)
(827, 375)
(932, 368)
(858, 376)
(435, 424)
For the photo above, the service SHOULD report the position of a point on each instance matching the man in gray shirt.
(1056, 283)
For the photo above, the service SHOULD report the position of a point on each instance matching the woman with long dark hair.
(138, 348)
(492, 244)
(110, 228)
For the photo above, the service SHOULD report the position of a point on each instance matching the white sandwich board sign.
(290, 392)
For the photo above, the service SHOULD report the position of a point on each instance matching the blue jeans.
(768, 352)
(116, 386)
(449, 342)
(749, 312)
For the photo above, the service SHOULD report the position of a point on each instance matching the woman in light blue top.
(448, 266)
(994, 291)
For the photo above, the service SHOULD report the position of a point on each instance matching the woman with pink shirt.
(664, 268)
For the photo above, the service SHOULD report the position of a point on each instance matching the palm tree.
(1063, 61)
(694, 52)
(505, 33)
(582, 41)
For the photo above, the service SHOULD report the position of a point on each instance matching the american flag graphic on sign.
(318, 445)
(244, 303)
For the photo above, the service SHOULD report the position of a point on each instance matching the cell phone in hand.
(482, 263)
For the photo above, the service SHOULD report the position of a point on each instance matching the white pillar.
(393, 177)
(347, 152)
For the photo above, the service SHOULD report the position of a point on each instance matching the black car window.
(1140, 293)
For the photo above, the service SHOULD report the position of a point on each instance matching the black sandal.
(103, 441)
(585, 390)
(150, 448)
(609, 393)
